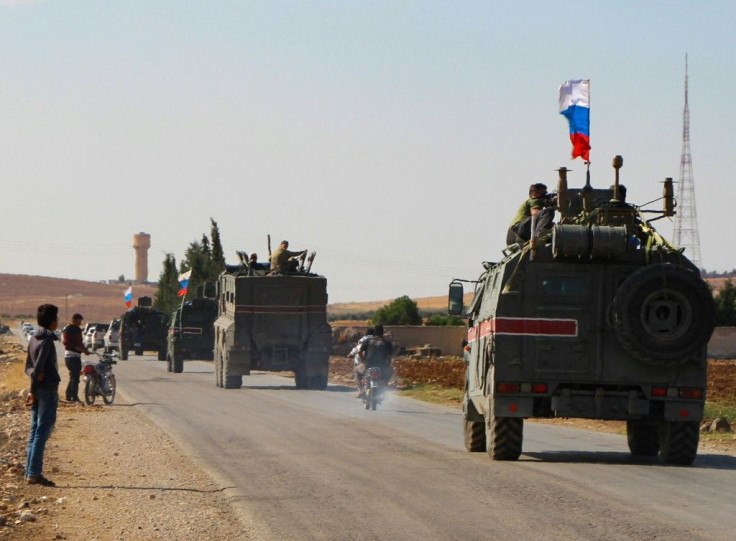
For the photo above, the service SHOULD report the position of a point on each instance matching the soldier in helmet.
(536, 205)
(281, 259)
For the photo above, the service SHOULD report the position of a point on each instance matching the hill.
(21, 294)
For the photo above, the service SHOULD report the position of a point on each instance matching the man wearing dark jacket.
(43, 370)
(73, 349)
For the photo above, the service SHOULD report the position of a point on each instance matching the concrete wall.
(722, 344)
(447, 339)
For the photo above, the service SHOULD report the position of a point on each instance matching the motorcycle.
(375, 387)
(99, 380)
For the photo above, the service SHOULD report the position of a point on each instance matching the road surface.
(316, 465)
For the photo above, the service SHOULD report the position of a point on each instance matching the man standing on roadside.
(43, 370)
(73, 348)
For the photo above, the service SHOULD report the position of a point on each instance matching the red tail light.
(87, 369)
(375, 373)
(505, 387)
(691, 392)
(539, 387)
(659, 391)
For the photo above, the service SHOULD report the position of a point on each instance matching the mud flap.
(680, 410)
(513, 406)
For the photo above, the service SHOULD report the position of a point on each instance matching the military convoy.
(143, 328)
(191, 332)
(599, 318)
(272, 323)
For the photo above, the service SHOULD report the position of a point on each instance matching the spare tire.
(663, 314)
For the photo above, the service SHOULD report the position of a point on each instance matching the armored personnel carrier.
(191, 333)
(272, 322)
(143, 328)
(599, 318)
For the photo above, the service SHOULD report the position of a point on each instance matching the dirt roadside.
(118, 475)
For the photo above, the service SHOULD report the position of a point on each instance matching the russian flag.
(184, 282)
(575, 105)
(128, 296)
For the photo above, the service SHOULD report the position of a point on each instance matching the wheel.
(139, 352)
(89, 393)
(473, 429)
(373, 403)
(109, 397)
(162, 354)
(318, 382)
(504, 435)
(233, 382)
(663, 314)
(169, 365)
(123, 354)
(643, 437)
(678, 442)
(178, 364)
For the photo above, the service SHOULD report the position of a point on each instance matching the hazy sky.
(396, 138)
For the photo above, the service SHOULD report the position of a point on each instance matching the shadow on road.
(707, 461)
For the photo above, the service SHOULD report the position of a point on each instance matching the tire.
(373, 403)
(123, 354)
(139, 352)
(474, 431)
(178, 364)
(318, 382)
(678, 442)
(233, 382)
(663, 314)
(110, 398)
(504, 435)
(162, 354)
(643, 437)
(89, 393)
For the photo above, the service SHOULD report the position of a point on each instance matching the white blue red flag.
(184, 282)
(575, 105)
(128, 296)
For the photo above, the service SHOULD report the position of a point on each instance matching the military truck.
(143, 328)
(598, 318)
(191, 333)
(272, 322)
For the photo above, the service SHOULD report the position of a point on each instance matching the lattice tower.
(686, 220)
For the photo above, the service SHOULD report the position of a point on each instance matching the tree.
(217, 255)
(439, 320)
(726, 305)
(166, 299)
(401, 311)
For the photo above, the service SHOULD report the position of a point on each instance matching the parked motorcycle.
(99, 380)
(375, 387)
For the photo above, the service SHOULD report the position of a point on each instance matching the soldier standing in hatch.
(521, 226)
(73, 349)
(281, 256)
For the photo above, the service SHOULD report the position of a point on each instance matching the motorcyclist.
(358, 366)
(377, 351)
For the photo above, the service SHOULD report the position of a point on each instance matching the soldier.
(520, 229)
(281, 258)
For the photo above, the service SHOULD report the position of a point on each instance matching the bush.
(402, 311)
(444, 320)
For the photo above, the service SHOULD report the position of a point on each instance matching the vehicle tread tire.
(233, 382)
(642, 437)
(504, 435)
(178, 365)
(678, 443)
(473, 429)
(690, 297)
(168, 363)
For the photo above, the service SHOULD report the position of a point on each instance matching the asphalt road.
(316, 465)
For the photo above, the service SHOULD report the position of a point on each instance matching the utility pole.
(686, 220)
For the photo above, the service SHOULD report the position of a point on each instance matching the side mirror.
(455, 299)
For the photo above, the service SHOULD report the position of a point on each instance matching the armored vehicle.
(143, 328)
(272, 322)
(599, 318)
(191, 333)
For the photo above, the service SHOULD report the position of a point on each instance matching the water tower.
(141, 244)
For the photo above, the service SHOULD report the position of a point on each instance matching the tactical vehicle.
(599, 318)
(143, 328)
(272, 322)
(191, 333)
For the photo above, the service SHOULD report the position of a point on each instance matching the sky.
(395, 139)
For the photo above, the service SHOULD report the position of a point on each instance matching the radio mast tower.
(686, 220)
